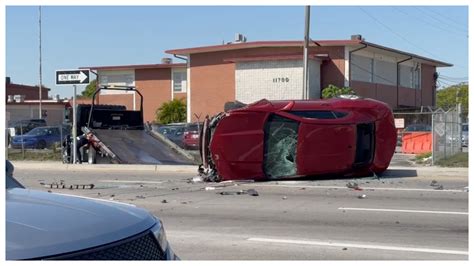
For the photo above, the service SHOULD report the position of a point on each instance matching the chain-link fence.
(32, 140)
(444, 126)
(446, 134)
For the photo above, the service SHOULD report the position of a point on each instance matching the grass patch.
(422, 158)
(34, 155)
(457, 160)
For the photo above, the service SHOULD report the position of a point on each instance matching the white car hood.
(40, 224)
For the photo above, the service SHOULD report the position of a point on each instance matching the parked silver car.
(50, 226)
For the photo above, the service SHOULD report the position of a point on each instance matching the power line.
(430, 24)
(448, 18)
(396, 33)
(452, 81)
(455, 78)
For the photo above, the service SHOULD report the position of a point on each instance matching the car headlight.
(160, 235)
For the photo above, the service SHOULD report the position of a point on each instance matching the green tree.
(332, 91)
(90, 89)
(449, 97)
(171, 112)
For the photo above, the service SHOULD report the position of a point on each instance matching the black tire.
(41, 144)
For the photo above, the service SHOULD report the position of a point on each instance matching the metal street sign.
(72, 77)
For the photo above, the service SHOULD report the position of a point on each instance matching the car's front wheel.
(41, 144)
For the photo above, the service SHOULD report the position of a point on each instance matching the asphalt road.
(402, 217)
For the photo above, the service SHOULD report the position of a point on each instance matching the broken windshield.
(281, 137)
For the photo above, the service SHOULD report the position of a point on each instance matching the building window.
(410, 76)
(362, 68)
(118, 79)
(179, 80)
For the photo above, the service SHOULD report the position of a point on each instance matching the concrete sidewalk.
(393, 171)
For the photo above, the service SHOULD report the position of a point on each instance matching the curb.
(113, 167)
(432, 171)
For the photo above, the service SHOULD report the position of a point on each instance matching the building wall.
(20, 111)
(116, 99)
(30, 92)
(428, 86)
(155, 85)
(213, 78)
(272, 80)
(332, 71)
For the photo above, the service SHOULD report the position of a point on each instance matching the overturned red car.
(270, 140)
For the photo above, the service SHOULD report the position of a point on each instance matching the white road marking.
(130, 181)
(364, 188)
(409, 211)
(346, 245)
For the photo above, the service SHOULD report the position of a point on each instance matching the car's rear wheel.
(41, 144)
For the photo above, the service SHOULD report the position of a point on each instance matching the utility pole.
(305, 54)
(40, 70)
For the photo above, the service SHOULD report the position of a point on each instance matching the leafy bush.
(332, 91)
(171, 112)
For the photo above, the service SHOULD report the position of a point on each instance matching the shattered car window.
(281, 137)
(320, 114)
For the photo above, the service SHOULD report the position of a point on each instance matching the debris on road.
(63, 185)
(344, 248)
(251, 192)
(363, 196)
(434, 183)
(196, 179)
(140, 197)
(210, 188)
(440, 187)
(164, 201)
(354, 186)
(284, 197)
(176, 188)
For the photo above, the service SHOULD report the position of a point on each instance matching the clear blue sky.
(81, 36)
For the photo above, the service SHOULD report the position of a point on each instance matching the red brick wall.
(428, 85)
(115, 99)
(155, 85)
(30, 92)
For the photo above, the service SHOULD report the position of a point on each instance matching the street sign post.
(73, 77)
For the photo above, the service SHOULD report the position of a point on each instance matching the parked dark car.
(174, 132)
(289, 139)
(191, 136)
(39, 138)
(50, 226)
(24, 126)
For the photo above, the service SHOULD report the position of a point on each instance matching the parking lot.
(409, 213)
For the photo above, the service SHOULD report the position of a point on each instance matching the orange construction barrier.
(417, 142)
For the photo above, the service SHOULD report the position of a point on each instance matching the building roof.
(266, 44)
(127, 67)
(275, 57)
(27, 87)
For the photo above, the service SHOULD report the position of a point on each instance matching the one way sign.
(72, 77)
